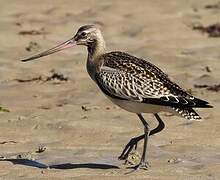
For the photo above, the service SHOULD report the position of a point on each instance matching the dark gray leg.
(143, 163)
(134, 141)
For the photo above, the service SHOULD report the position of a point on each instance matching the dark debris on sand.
(213, 6)
(39, 78)
(214, 88)
(208, 69)
(8, 142)
(55, 77)
(212, 30)
(33, 32)
(85, 108)
(32, 46)
(41, 149)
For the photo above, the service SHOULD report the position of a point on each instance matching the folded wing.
(126, 86)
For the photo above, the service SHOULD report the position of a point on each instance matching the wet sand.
(84, 143)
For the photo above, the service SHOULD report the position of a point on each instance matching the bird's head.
(88, 35)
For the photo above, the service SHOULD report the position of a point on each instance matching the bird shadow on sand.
(83, 165)
(32, 163)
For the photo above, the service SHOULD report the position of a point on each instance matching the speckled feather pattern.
(130, 78)
(188, 113)
(144, 71)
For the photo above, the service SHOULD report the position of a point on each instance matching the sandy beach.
(60, 125)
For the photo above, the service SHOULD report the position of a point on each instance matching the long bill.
(67, 44)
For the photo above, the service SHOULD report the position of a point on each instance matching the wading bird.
(132, 83)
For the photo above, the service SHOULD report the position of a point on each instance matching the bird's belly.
(137, 107)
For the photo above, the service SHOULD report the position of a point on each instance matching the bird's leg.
(134, 141)
(143, 163)
(160, 126)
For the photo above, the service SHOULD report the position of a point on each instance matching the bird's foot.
(142, 165)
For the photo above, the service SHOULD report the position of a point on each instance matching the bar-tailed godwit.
(132, 83)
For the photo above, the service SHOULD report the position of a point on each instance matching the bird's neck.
(95, 50)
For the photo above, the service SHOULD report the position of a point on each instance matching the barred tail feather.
(188, 113)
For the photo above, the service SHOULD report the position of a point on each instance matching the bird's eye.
(83, 34)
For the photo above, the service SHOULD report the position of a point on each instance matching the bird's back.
(128, 77)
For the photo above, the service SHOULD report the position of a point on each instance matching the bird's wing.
(142, 69)
(124, 77)
(125, 86)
